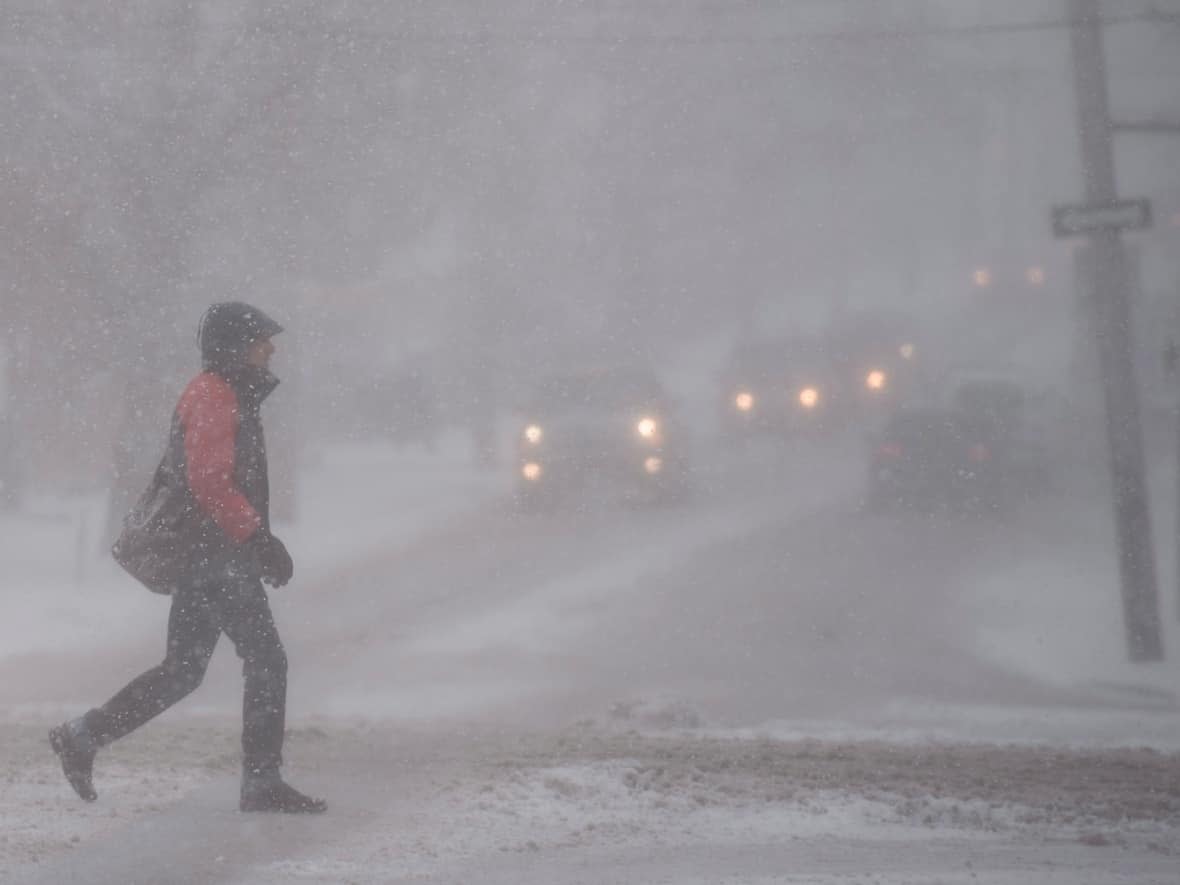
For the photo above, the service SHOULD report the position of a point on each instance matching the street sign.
(1070, 221)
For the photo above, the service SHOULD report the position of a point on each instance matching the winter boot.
(75, 747)
(267, 791)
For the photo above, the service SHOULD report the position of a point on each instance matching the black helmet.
(229, 327)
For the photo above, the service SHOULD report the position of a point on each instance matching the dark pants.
(239, 607)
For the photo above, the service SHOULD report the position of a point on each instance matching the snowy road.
(591, 804)
(595, 696)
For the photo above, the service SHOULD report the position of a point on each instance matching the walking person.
(201, 532)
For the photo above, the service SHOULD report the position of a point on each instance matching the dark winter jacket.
(210, 494)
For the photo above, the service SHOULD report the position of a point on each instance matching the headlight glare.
(647, 428)
(534, 434)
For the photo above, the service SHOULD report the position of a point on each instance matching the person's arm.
(209, 414)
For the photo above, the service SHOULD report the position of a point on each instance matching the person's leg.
(250, 626)
(194, 625)
(193, 628)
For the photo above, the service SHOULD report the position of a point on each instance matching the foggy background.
(448, 202)
(481, 189)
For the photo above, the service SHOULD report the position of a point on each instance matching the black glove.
(277, 567)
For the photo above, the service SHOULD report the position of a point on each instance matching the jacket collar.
(250, 383)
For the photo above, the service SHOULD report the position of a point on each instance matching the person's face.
(258, 354)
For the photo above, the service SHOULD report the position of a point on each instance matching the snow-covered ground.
(599, 803)
(414, 704)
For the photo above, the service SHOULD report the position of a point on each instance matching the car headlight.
(809, 397)
(743, 401)
(647, 428)
(534, 434)
(907, 351)
(653, 465)
(875, 380)
(531, 471)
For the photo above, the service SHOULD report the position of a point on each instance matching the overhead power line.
(549, 32)
(553, 31)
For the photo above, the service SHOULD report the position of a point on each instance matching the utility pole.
(1171, 351)
(1171, 364)
(1108, 291)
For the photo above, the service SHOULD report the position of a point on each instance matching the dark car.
(779, 386)
(603, 431)
(988, 445)
(1019, 422)
(938, 459)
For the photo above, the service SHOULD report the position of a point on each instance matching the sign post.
(1101, 218)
